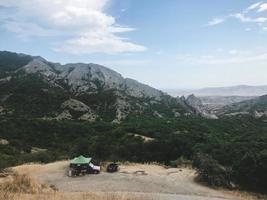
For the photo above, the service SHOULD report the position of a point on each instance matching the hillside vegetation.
(51, 112)
(235, 145)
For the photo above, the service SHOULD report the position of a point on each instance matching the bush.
(211, 172)
(25, 184)
(43, 157)
(250, 171)
(7, 161)
(181, 161)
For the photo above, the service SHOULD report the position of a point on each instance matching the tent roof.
(81, 160)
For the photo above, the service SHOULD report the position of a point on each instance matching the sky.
(166, 44)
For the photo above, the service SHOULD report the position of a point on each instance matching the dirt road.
(157, 182)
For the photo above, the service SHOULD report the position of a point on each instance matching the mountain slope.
(35, 88)
(199, 107)
(256, 107)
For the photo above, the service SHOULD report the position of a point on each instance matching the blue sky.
(166, 44)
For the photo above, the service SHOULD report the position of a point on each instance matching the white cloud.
(238, 52)
(215, 21)
(254, 6)
(248, 15)
(84, 23)
(233, 52)
(262, 7)
(27, 29)
(243, 18)
(220, 49)
(98, 42)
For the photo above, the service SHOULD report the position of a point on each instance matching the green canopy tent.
(80, 160)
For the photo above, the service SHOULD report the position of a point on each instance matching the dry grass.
(68, 196)
(246, 195)
(4, 142)
(145, 138)
(37, 150)
(24, 187)
(24, 183)
(34, 168)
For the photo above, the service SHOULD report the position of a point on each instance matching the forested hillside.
(50, 111)
(233, 149)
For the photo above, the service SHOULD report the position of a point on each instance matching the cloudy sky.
(167, 44)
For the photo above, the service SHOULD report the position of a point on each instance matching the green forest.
(229, 152)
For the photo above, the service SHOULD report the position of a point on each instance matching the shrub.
(211, 172)
(181, 161)
(25, 184)
(250, 171)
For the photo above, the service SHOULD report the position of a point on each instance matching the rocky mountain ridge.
(256, 107)
(32, 87)
(35, 88)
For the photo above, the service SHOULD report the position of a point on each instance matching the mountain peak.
(45, 88)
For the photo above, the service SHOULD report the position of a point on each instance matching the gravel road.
(156, 183)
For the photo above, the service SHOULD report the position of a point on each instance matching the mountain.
(223, 100)
(240, 90)
(197, 104)
(33, 87)
(214, 103)
(256, 107)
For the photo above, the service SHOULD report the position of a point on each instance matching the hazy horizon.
(171, 45)
(197, 88)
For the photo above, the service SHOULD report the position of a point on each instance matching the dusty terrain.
(156, 182)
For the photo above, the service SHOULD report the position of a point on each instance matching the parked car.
(81, 166)
(112, 167)
(93, 169)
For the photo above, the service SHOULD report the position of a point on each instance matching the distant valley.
(239, 90)
(235, 100)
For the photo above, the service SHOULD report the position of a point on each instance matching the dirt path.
(156, 183)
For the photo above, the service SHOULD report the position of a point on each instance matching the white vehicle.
(95, 168)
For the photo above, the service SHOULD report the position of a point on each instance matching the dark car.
(112, 167)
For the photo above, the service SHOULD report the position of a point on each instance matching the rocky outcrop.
(157, 114)
(123, 108)
(136, 89)
(39, 66)
(1, 109)
(6, 79)
(65, 115)
(176, 113)
(79, 91)
(75, 105)
(260, 114)
(256, 107)
(200, 109)
(89, 78)
(89, 116)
